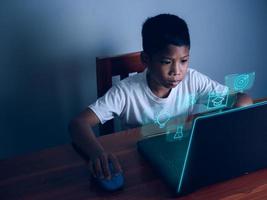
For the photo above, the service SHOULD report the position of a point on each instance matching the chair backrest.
(108, 67)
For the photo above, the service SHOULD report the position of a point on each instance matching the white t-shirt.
(135, 104)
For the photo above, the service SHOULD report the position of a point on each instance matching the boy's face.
(168, 67)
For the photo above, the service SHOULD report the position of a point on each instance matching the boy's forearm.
(242, 99)
(84, 138)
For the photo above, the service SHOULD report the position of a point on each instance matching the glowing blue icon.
(217, 100)
(192, 99)
(179, 133)
(240, 82)
(162, 119)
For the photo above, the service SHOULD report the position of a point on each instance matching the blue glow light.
(162, 119)
(179, 133)
(217, 100)
(240, 82)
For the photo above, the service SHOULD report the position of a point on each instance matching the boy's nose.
(176, 69)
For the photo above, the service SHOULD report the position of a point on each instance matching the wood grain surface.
(61, 173)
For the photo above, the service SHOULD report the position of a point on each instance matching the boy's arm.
(85, 140)
(242, 99)
(236, 100)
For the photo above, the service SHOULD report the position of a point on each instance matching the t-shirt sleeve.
(109, 105)
(205, 85)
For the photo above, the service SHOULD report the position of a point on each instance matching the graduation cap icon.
(217, 101)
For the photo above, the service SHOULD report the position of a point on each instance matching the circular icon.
(241, 82)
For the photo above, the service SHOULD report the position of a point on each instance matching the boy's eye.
(184, 61)
(165, 62)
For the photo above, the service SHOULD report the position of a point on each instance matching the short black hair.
(162, 30)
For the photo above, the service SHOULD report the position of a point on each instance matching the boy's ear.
(145, 59)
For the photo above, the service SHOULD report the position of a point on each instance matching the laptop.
(220, 146)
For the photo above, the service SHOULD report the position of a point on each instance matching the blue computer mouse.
(115, 183)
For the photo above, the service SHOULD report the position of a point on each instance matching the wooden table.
(60, 173)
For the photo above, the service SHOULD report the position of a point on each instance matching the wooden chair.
(108, 67)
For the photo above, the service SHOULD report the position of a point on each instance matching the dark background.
(48, 50)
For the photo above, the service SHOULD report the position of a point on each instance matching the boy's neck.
(156, 89)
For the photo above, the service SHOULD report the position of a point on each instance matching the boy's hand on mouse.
(99, 165)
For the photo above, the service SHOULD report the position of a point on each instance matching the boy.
(164, 86)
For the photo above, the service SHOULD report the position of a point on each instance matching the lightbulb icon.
(162, 119)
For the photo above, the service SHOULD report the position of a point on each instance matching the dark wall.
(48, 50)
